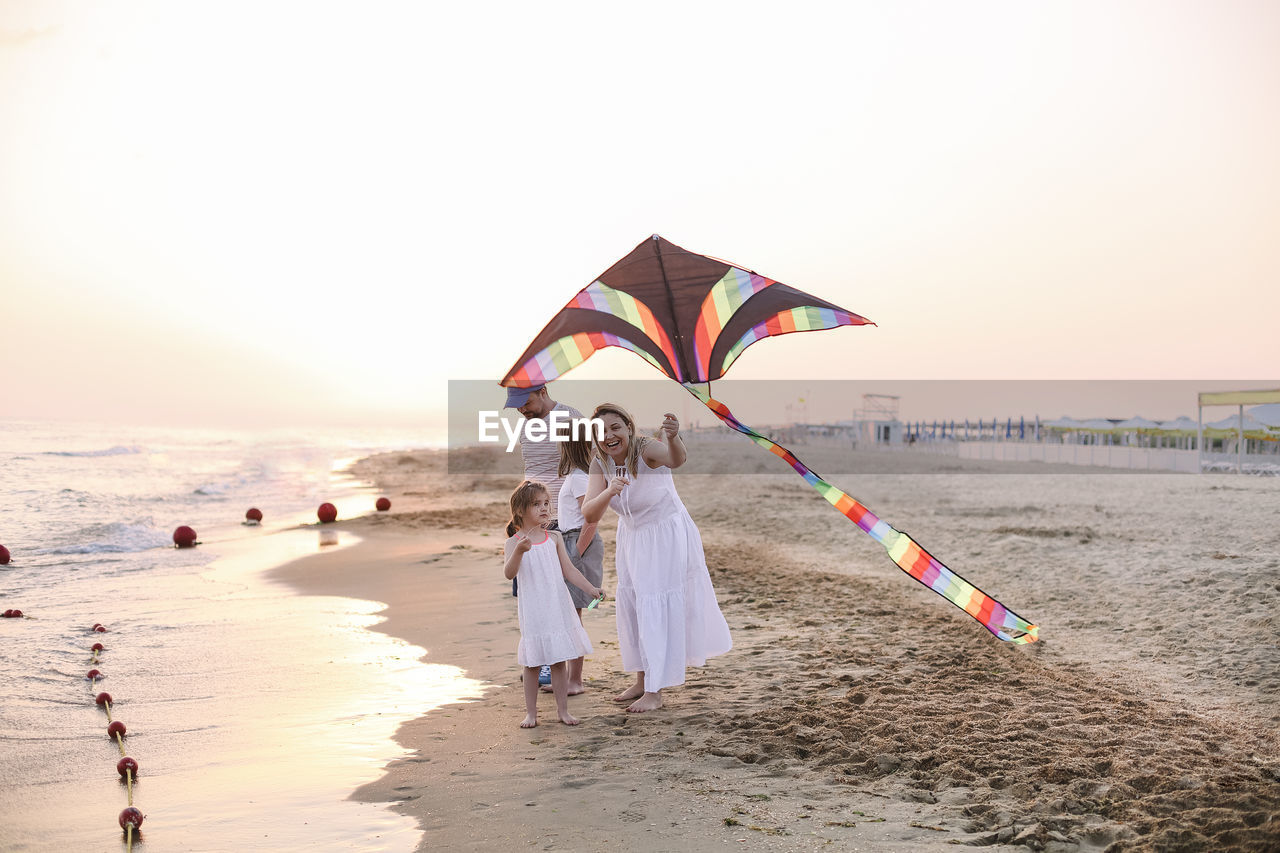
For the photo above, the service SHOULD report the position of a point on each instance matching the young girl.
(550, 633)
(586, 549)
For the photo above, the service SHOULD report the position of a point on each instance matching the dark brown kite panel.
(687, 314)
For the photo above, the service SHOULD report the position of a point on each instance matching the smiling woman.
(668, 618)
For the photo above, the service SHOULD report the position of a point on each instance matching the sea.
(253, 711)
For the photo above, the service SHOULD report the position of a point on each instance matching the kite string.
(904, 551)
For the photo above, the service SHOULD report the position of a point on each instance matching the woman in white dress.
(668, 617)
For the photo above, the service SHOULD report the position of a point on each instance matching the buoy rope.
(129, 826)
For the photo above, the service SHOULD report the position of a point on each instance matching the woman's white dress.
(549, 628)
(668, 617)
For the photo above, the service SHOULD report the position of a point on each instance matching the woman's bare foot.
(647, 702)
(635, 691)
(576, 689)
(530, 722)
(569, 719)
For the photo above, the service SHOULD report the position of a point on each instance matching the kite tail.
(903, 550)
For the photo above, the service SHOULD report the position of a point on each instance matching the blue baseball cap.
(517, 397)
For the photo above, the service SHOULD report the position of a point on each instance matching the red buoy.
(4, 556)
(101, 629)
(8, 614)
(184, 537)
(102, 698)
(130, 817)
(93, 673)
(97, 625)
(116, 728)
(327, 513)
(127, 765)
(97, 647)
(383, 504)
(17, 614)
(254, 514)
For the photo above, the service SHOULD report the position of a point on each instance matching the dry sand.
(858, 710)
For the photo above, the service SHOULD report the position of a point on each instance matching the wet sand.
(858, 710)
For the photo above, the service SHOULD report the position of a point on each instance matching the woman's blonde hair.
(521, 499)
(635, 442)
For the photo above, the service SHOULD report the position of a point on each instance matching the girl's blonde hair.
(575, 454)
(635, 442)
(521, 499)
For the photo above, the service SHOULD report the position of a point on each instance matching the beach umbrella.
(1268, 416)
(691, 316)
(1008, 428)
(1137, 423)
(1182, 423)
(1022, 427)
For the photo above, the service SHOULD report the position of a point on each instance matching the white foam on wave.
(113, 538)
(118, 450)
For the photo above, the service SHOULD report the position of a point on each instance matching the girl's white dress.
(549, 628)
(668, 617)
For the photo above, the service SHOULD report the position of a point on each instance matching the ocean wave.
(112, 538)
(118, 450)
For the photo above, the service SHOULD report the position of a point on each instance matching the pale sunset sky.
(290, 213)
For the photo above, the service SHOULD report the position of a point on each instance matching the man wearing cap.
(541, 458)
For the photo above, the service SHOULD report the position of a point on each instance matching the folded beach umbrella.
(691, 316)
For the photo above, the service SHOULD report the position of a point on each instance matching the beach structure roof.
(1063, 422)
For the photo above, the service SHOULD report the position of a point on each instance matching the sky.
(277, 213)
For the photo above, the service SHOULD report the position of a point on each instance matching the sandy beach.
(858, 710)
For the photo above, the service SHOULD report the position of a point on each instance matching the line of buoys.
(131, 818)
(13, 614)
(383, 504)
(4, 556)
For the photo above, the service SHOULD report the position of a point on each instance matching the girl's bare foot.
(576, 689)
(530, 722)
(569, 719)
(647, 702)
(635, 691)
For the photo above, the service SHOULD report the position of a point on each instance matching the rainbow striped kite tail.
(933, 573)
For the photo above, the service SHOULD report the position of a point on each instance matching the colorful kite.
(691, 316)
